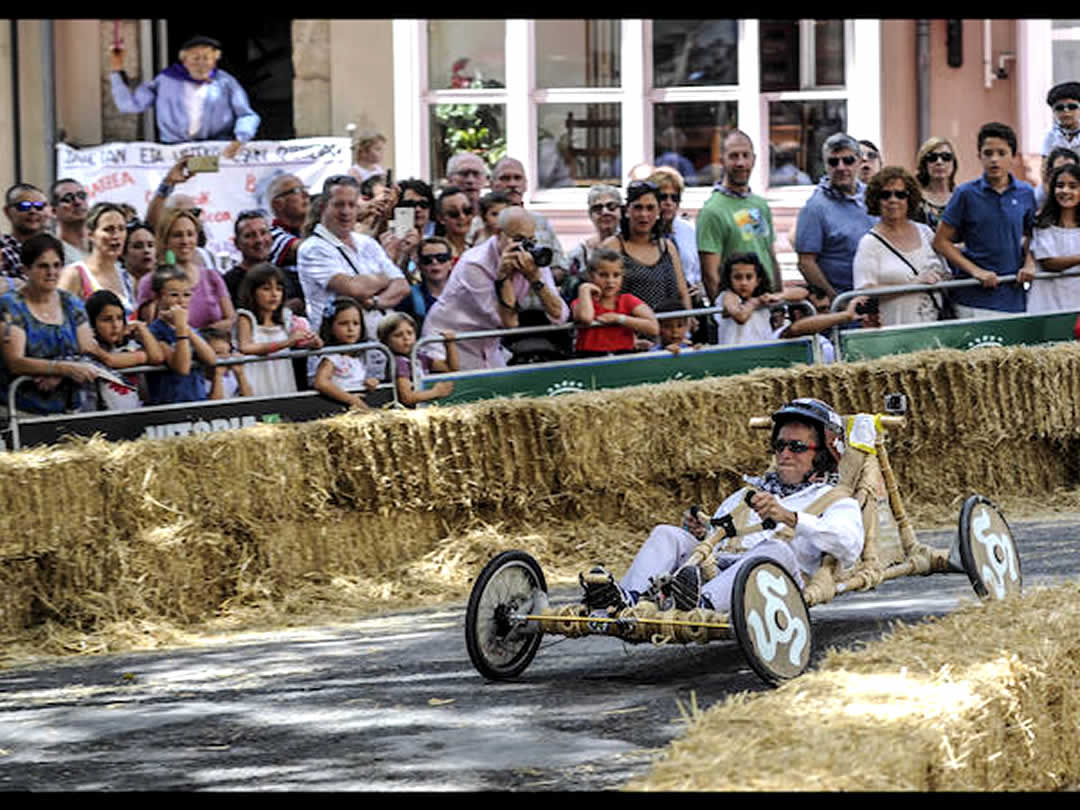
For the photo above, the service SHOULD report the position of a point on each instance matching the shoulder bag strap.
(899, 255)
(343, 253)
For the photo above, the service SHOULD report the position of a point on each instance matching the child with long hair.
(746, 300)
(602, 300)
(397, 331)
(1055, 243)
(264, 325)
(343, 376)
(127, 343)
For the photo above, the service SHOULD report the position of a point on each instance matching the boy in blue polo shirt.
(992, 216)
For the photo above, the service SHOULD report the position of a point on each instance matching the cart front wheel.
(500, 646)
(987, 550)
(772, 622)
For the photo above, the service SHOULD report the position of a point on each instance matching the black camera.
(540, 254)
(868, 307)
(895, 403)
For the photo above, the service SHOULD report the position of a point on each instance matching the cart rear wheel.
(772, 622)
(987, 550)
(500, 647)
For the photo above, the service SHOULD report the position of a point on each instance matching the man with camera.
(484, 290)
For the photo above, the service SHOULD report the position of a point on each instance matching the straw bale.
(116, 528)
(987, 698)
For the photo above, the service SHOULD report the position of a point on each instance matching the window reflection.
(578, 53)
(695, 52)
(689, 137)
(797, 131)
(466, 54)
(578, 144)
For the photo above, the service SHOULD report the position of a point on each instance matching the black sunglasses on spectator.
(934, 157)
(610, 206)
(413, 204)
(252, 213)
(431, 258)
(71, 196)
(26, 205)
(453, 213)
(887, 194)
(849, 160)
(675, 198)
(1063, 106)
(287, 192)
(136, 224)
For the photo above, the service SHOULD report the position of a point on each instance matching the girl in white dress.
(265, 326)
(343, 377)
(746, 300)
(1055, 244)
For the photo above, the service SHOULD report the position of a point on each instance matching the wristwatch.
(537, 285)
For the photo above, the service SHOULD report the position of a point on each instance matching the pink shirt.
(205, 306)
(468, 304)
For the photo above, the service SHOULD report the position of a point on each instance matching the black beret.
(198, 40)
(1063, 90)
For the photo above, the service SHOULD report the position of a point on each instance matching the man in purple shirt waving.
(193, 100)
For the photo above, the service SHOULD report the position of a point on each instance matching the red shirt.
(613, 338)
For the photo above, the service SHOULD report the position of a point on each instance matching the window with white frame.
(584, 101)
(1065, 50)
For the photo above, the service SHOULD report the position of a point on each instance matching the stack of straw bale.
(987, 698)
(183, 529)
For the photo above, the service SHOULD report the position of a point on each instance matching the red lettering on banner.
(110, 182)
(216, 216)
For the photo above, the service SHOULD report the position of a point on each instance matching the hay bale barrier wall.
(987, 698)
(180, 530)
(103, 545)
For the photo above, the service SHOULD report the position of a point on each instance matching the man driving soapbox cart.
(796, 537)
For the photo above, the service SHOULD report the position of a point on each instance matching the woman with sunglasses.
(898, 250)
(682, 232)
(605, 209)
(434, 260)
(454, 214)
(936, 173)
(107, 229)
(652, 270)
(417, 195)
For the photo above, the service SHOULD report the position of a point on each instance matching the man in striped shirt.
(289, 203)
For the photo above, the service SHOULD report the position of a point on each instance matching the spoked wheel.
(501, 648)
(772, 622)
(987, 549)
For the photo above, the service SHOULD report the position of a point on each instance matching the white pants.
(667, 547)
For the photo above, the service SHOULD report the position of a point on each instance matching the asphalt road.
(393, 704)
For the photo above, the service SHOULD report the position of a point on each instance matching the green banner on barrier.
(570, 376)
(1009, 330)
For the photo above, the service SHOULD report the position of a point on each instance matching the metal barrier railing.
(418, 373)
(291, 354)
(841, 301)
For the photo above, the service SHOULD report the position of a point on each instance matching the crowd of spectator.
(91, 292)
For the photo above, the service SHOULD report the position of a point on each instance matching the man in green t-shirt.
(735, 221)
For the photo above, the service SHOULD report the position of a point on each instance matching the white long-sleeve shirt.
(839, 530)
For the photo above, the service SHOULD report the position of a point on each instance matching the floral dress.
(45, 341)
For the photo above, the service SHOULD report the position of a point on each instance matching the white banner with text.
(131, 172)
